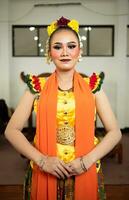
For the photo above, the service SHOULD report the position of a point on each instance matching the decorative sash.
(44, 186)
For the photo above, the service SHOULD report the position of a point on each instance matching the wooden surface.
(114, 192)
(11, 192)
(117, 192)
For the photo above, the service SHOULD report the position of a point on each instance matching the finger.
(75, 170)
(66, 167)
(64, 171)
(70, 167)
(60, 173)
(56, 174)
(74, 174)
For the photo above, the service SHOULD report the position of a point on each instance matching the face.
(64, 50)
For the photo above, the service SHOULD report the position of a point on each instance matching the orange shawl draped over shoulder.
(44, 186)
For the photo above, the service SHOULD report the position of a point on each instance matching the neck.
(65, 79)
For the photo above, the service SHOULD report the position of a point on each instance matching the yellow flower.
(73, 24)
(52, 28)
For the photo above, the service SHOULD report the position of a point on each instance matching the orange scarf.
(44, 186)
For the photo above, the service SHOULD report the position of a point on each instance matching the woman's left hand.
(75, 166)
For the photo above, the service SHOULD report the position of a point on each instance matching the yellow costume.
(66, 118)
(65, 115)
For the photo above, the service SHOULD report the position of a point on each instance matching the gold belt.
(65, 135)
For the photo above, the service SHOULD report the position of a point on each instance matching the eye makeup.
(70, 45)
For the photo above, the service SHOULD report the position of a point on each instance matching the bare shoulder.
(26, 101)
(100, 94)
(28, 94)
(104, 110)
(102, 101)
(22, 111)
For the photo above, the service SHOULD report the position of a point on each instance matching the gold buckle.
(65, 134)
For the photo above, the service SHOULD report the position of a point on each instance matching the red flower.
(36, 83)
(35, 79)
(93, 80)
(37, 87)
(62, 22)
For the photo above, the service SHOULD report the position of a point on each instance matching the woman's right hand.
(56, 167)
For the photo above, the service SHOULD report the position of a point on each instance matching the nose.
(64, 51)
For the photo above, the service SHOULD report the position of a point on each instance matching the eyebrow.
(68, 43)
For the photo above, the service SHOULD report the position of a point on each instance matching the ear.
(49, 54)
(81, 51)
(49, 60)
(80, 55)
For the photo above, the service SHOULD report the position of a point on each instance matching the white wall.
(92, 12)
(4, 53)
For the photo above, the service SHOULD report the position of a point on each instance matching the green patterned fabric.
(65, 188)
(27, 184)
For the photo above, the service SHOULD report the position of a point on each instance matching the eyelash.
(69, 46)
(57, 47)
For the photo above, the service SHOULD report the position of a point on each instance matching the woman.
(64, 155)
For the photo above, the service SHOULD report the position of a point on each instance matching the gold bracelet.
(83, 165)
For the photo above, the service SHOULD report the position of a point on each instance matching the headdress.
(63, 22)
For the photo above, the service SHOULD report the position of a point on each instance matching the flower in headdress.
(52, 28)
(62, 22)
(73, 24)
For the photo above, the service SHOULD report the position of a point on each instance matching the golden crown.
(63, 22)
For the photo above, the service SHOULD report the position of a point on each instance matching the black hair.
(3, 111)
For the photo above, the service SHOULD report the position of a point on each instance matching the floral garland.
(63, 22)
(95, 81)
(34, 83)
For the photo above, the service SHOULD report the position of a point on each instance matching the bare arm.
(113, 134)
(13, 131)
(111, 138)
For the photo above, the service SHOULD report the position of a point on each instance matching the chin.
(65, 69)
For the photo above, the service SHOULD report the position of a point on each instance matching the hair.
(48, 42)
(3, 111)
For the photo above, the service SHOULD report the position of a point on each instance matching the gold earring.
(80, 58)
(49, 60)
(47, 54)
